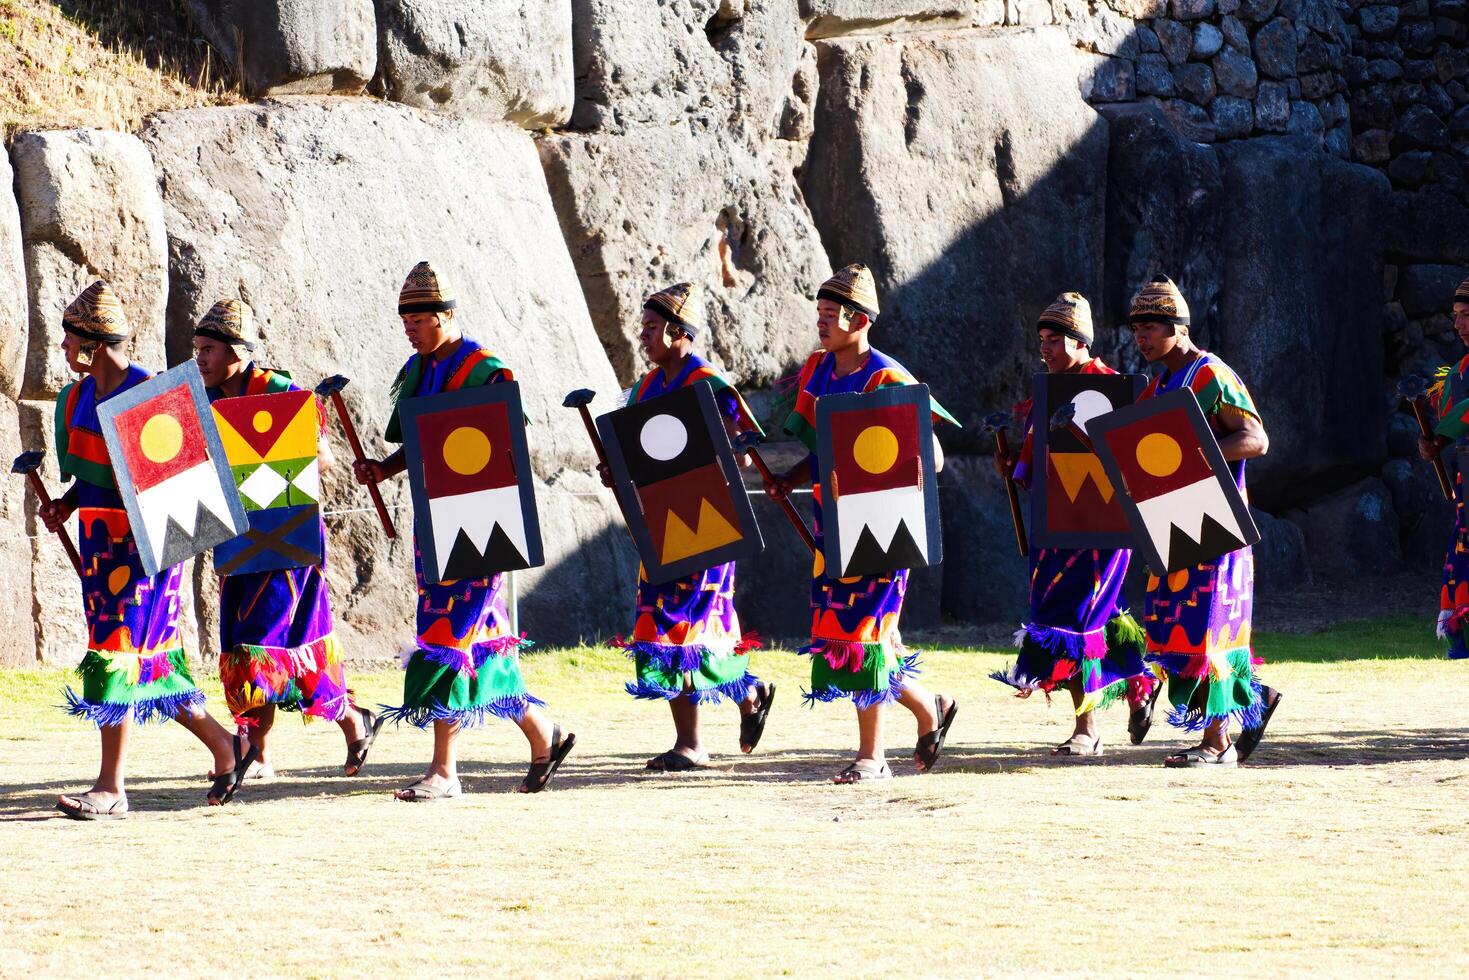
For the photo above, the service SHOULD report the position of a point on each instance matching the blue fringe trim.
(867, 699)
(736, 690)
(1196, 720)
(142, 712)
(1058, 643)
(670, 656)
(511, 708)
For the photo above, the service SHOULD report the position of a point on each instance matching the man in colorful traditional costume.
(465, 665)
(1077, 636)
(135, 668)
(1198, 619)
(277, 647)
(687, 646)
(1450, 401)
(856, 649)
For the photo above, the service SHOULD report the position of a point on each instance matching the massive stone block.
(1300, 311)
(968, 172)
(293, 47)
(313, 212)
(643, 209)
(14, 300)
(500, 59)
(17, 509)
(89, 209)
(1164, 214)
(656, 61)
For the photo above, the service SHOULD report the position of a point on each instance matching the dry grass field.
(1341, 849)
(106, 63)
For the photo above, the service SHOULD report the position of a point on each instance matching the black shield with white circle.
(664, 437)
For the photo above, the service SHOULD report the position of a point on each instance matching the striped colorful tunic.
(275, 628)
(1451, 406)
(1198, 619)
(1076, 626)
(135, 666)
(686, 632)
(465, 665)
(856, 649)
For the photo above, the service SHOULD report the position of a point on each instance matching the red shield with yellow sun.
(474, 505)
(879, 499)
(1180, 496)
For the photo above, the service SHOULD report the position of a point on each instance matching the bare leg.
(110, 784)
(351, 725)
(1086, 721)
(538, 729)
(686, 725)
(216, 737)
(869, 738)
(1216, 736)
(443, 771)
(264, 718)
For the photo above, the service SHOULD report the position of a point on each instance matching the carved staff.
(27, 464)
(332, 388)
(997, 423)
(745, 443)
(579, 400)
(1414, 390)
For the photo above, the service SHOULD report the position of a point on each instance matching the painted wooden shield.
(1182, 501)
(879, 506)
(1072, 502)
(474, 500)
(679, 485)
(171, 468)
(270, 441)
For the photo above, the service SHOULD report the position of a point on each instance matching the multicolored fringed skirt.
(687, 641)
(465, 666)
(856, 650)
(1453, 602)
(135, 667)
(1198, 625)
(275, 629)
(1076, 630)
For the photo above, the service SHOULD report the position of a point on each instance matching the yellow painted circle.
(118, 580)
(876, 449)
(1159, 455)
(467, 450)
(161, 438)
(261, 421)
(1178, 580)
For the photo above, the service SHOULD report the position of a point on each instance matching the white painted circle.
(663, 437)
(1089, 404)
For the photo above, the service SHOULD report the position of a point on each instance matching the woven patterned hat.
(682, 303)
(1070, 314)
(230, 321)
(425, 291)
(1159, 302)
(1461, 295)
(97, 315)
(853, 287)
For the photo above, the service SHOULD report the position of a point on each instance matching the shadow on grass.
(1331, 749)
